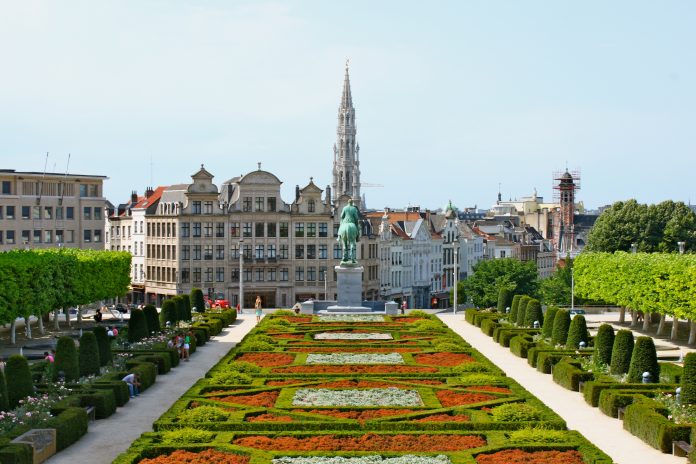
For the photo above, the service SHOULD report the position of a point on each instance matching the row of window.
(52, 189)
(197, 274)
(9, 237)
(49, 212)
(259, 202)
(250, 229)
(207, 252)
(168, 229)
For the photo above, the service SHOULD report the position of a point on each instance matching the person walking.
(257, 307)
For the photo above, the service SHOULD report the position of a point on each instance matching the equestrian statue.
(349, 232)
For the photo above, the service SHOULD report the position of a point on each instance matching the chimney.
(149, 192)
(297, 193)
(328, 195)
(134, 197)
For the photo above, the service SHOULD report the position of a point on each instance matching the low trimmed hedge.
(489, 325)
(568, 373)
(145, 369)
(469, 315)
(161, 360)
(647, 420)
(118, 387)
(70, 425)
(505, 335)
(520, 345)
(546, 360)
(593, 388)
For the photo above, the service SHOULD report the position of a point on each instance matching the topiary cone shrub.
(152, 319)
(168, 313)
(522, 310)
(604, 342)
(688, 380)
(66, 360)
(4, 404)
(513, 308)
(104, 345)
(504, 298)
(561, 324)
(89, 354)
(197, 300)
(621, 352)
(180, 308)
(187, 305)
(137, 326)
(547, 328)
(644, 359)
(533, 313)
(19, 384)
(577, 332)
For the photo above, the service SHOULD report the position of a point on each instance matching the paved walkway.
(605, 432)
(107, 438)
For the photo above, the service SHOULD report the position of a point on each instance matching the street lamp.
(241, 276)
(456, 255)
(572, 288)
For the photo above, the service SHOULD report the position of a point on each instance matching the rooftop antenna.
(62, 184)
(38, 200)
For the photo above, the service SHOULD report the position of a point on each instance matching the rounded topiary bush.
(18, 378)
(187, 307)
(197, 300)
(180, 308)
(604, 342)
(547, 328)
(137, 326)
(522, 310)
(561, 324)
(513, 308)
(152, 319)
(104, 345)
(688, 380)
(621, 352)
(577, 332)
(66, 360)
(533, 313)
(644, 359)
(4, 404)
(89, 354)
(168, 313)
(504, 298)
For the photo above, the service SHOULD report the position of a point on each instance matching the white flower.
(405, 459)
(351, 318)
(355, 358)
(359, 398)
(352, 336)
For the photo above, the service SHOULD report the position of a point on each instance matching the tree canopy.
(493, 274)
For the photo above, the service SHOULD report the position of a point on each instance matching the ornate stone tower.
(564, 228)
(346, 163)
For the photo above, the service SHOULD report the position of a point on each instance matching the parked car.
(121, 308)
(575, 311)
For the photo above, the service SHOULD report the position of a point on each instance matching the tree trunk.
(692, 332)
(646, 321)
(661, 326)
(634, 318)
(79, 316)
(41, 326)
(13, 332)
(27, 327)
(56, 319)
(67, 315)
(675, 329)
(622, 315)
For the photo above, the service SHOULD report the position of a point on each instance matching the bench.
(91, 413)
(681, 448)
(621, 412)
(581, 386)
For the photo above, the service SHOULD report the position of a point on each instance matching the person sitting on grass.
(133, 382)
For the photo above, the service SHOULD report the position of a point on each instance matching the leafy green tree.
(152, 319)
(621, 352)
(504, 299)
(514, 307)
(137, 326)
(522, 310)
(66, 360)
(104, 344)
(561, 324)
(197, 300)
(19, 384)
(4, 403)
(491, 275)
(547, 328)
(556, 289)
(688, 380)
(533, 313)
(578, 332)
(604, 342)
(644, 359)
(168, 312)
(89, 354)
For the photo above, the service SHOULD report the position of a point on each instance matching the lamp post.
(572, 288)
(241, 276)
(682, 247)
(456, 265)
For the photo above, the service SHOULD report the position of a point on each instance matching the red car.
(218, 302)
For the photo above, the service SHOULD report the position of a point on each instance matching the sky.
(452, 98)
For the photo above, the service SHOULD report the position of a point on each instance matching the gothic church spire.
(346, 166)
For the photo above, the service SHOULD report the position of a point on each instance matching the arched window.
(311, 206)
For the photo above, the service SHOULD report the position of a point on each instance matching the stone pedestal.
(349, 290)
(307, 307)
(391, 308)
(42, 442)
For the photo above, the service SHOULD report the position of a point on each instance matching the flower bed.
(444, 418)
(360, 398)
(351, 349)
(353, 336)
(268, 418)
(359, 415)
(350, 318)
(405, 459)
(355, 358)
(298, 319)
(449, 398)
(443, 359)
(535, 457)
(490, 388)
(264, 399)
(203, 457)
(354, 369)
(358, 384)
(267, 359)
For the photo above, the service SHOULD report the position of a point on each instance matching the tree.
(577, 332)
(181, 310)
(187, 305)
(514, 307)
(556, 289)
(197, 300)
(89, 354)
(621, 352)
(644, 359)
(66, 361)
(4, 403)
(561, 324)
(522, 310)
(533, 313)
(168, 312)
(504, 299)
(688, 380)
(491, 275)
(152, 319)
(19, 384)
(137, 326)
(604, 342)
(547, 329)
(104, 345)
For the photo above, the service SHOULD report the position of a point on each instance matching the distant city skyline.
(450, 100)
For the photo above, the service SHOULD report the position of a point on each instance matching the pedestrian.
(180, 345)
(133, 382)
(109, 332)
(404, 306)
(239, 308)
(257, 307)
(115, 330)
(297, 308)
(48, 357)
(187, 346)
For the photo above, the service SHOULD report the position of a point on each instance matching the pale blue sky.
(451, 97)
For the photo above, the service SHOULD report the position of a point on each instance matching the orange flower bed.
(287, 335)
(359, 384)
(444, 418)
(408, 320)
(444, 359)
(449, 398)
(491, 388)
(367, 442)
(353, 369)
(282, 383)
(269, 418)
(362, 415)
(203, 457)
(298, 319)
(351, 342)
(267, 359)
(264, 399)
(348, 349)
(535, 457)
(406, 337)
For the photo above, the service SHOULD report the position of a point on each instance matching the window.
(185, 229)
(311, 252)
(1, 237)
(283, 229)
(196, 207)
(197, 252)
(272, 251)
(299, 273)
(271, 203)
(311, 206)
(208, 274)
(97, 213)
(97, 236)
(311, 229)
(272, 275)
(48, 236)
(337, 251)
(259, 229)
(247, 275)
(69, 213)
(196, 229)
(299, 251)
(246, 229)
(259, 275)
(311, 273)
(36, 212)
(169, 229)
(87, 236)
(234, 229)
(208, 207)
(299, 229)
(37, 236)
(185, 252)
(259, 203)
(185, 276)
(196, 275)
(59, 236)
(10, 237)
(48, 212)
(208, 229)
(219, 251)
(83, 190)
(323, 229)
(259, 252)
(322, 273)
(234, 274)
(219, 274)
(0, 211)
(26, 211)
(10, 212)
(323, 252)
(208, 252)
(220, 229)
(234, 252)
(284, 274)
(6, 187)
(246, 252)
(271, 229)
(59, 213)
(335, 232)
(69, 236)
(246, 204)
(157, 234)
(283, 253)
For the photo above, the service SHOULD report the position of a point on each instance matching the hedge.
(594, 388)
(118, 387)
(520, 345)
(604, 342)
(161, 360)
(513, 308)
(644, 359)
(17, 453)
(18, 378)
(489, 325)
(152, 319)
(546, 360)
(647, 420)
(533, 313)
(547, 328)
(70, 425)
(671, 373)
(4, 403)
(504, 298)
(137, 326)
(66, 360)
(145, 369)
(168, 313)
(561, 324)
(187, 306)
(568, 373)
(577, 333)
(688, 380)
(104, 344)
(621, 352)
(88, 355)
(469, 315)
(522, 310)
(505, 335)
(197, 300)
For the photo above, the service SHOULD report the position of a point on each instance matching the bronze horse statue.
(348, 232)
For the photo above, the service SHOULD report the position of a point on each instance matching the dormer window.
(311, 206)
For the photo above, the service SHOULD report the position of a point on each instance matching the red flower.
(202, 457)
(267, 359)
(516, 456)
(444, 359)
(449, 398)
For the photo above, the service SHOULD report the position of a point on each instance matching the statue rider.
(349, 231)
